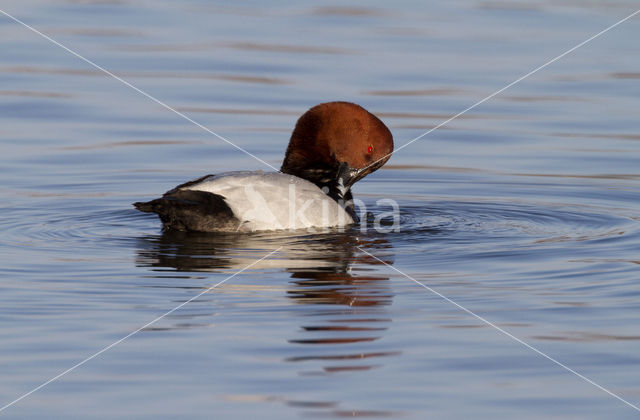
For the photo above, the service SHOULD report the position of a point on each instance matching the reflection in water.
(337, 331)
(345, 306)
(313, 253)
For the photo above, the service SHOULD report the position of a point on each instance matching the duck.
(333, 145)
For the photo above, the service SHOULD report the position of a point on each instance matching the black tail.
(190, 210)
(146, 207)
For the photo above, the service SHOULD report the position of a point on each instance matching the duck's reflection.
(346, 301)
(351, 314)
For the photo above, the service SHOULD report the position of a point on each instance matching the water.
(524, 211)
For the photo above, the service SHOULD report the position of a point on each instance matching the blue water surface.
(515, 269)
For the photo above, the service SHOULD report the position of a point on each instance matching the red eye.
(369, 149)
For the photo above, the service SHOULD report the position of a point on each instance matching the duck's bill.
(347, 175)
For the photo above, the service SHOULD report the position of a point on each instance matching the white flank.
(272, 201)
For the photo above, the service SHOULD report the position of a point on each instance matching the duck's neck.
(329, 181)
(341, 194)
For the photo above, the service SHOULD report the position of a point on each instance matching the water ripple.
(456, 220)
(438, 220)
